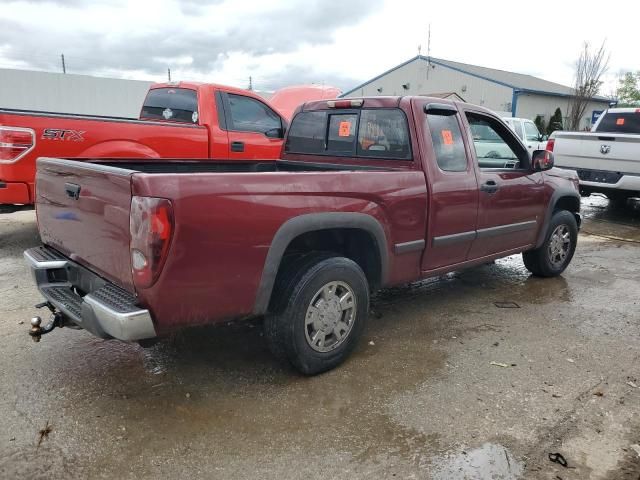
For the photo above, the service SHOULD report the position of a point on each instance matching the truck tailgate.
(598, 151)
(83, 211)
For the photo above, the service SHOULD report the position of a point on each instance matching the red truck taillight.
(550, 144)
(151, 225)
(15, 143)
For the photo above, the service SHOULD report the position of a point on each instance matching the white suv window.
(531, 132)
(517, 127)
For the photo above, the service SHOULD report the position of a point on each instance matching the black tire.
(299, 282)
(540, 261)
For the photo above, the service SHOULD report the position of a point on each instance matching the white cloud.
(291, 41)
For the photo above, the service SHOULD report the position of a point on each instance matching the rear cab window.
(621, 122)
(381, 133)
(171, 104)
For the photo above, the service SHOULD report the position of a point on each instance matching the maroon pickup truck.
(368, 193)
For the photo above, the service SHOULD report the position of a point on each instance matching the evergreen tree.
(555, 122)
(540, 123)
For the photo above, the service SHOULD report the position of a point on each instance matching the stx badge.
(58, 134)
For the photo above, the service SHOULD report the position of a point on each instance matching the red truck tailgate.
(83, 211)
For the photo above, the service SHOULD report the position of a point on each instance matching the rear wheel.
(557, 250)
(320, 308)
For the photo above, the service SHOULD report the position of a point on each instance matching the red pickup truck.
(177, 120)
(368, 193)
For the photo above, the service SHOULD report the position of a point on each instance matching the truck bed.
(226, 216)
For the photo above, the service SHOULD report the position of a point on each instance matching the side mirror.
(274, 133)
(542, 160)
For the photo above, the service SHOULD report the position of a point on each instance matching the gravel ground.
(444, 385)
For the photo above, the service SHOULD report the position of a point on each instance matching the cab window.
(342, 133)
(495, 144)
(383, 133)
(375, 133)
(250, 115)
(171, 104)
(448, 146)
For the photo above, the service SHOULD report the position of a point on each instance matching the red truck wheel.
(321, 306)
(555, 254)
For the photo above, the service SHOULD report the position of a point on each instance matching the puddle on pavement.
(490, 461)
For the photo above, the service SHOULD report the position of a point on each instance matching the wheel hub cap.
(330, 316)
(559, 245)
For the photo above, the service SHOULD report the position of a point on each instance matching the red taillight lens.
(15, 143)
(151, 225)
(550, 144)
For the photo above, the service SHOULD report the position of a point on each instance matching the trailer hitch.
(57, 320)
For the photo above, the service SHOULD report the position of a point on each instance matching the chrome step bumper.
(107, 311)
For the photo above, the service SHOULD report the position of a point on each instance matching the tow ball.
(37, 331)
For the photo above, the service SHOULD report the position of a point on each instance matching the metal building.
(70, 93)
(509, 93)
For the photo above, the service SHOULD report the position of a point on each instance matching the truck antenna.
(169, 74)
(428, 50)
(64, 67)
(250, 82)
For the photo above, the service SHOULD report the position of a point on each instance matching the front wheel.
(555, 254)
(320, 308)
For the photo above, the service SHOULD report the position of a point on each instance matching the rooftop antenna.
(428, 50)
(419, 49)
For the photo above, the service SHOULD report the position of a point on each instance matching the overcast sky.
(284, 42)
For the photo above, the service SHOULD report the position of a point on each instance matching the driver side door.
(511, 203)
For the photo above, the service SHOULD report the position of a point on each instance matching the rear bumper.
(605, 181)
(106, 310)
(13, 193)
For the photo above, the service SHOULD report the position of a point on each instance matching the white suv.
(528, 133)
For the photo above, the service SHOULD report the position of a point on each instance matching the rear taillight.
(550, 144)
(151, 225)
(15, 143)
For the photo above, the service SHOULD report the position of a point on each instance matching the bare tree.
(590, 67)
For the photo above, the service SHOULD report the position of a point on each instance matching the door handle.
(237, 146)
(490, 186)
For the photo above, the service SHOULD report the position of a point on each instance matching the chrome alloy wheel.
(559, 245)
(330, 316)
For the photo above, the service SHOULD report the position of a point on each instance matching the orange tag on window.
(620, 121)
(344, 130)
(447, 137)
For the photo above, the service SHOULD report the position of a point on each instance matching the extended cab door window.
(447, 142)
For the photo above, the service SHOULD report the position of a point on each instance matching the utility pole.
(169, 74)
(64, 67)
(250, 82)
(428, 51)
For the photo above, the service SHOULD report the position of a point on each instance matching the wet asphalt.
(446, 383)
